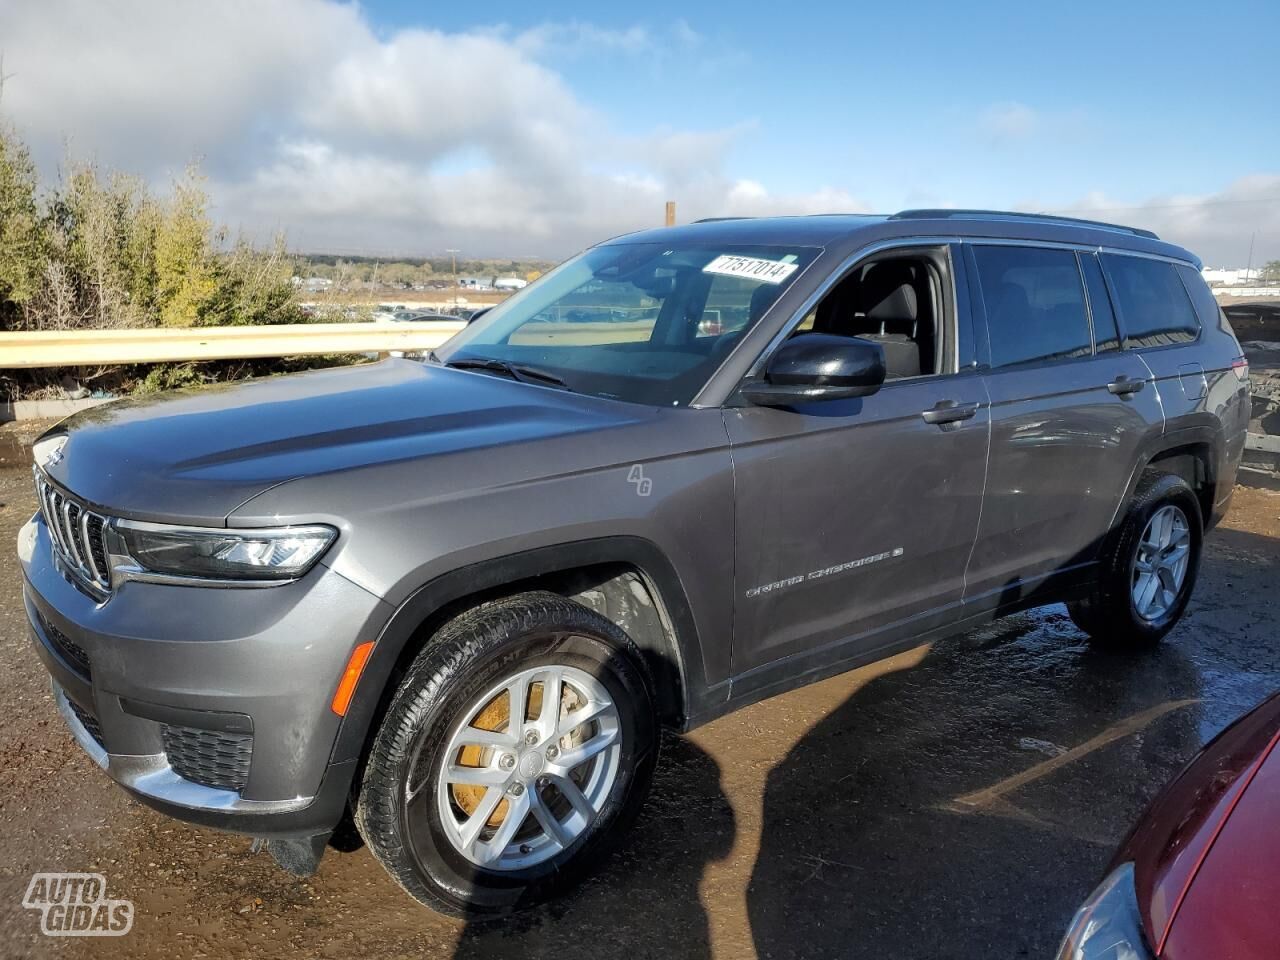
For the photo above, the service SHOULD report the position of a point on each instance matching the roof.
(850, 230)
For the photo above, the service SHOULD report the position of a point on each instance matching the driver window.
(890, 301)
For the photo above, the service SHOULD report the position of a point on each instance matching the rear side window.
(1035, 304)
(1154, 307)
(1105, 336)
(1207, 308)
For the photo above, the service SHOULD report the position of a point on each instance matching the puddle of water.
(15, 452)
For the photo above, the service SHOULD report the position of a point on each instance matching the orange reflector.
(350, 677)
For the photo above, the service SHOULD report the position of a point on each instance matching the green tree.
(1271, 270)
(21, 229)
(183, 259)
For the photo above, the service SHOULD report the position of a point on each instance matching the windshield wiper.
(516, 371)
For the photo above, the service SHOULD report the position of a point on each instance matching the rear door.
(1069, 410)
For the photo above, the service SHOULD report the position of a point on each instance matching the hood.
(193, 456)
(1174, 839)
(1229, 906)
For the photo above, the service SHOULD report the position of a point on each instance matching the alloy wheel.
(1160, 565)
(527, 769)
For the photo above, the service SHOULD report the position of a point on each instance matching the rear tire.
(474, 797)
(1148, 570)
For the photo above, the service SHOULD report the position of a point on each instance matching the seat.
(890, 308)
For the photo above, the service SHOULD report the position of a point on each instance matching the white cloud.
(1009, 121)
(308, 120)
(1218, 227)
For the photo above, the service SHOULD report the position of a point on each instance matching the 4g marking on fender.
(824, 572)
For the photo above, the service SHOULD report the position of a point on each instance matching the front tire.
(520, 744)
(1149, 569)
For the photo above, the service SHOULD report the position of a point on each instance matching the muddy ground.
(956, 801)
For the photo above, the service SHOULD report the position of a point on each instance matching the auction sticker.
(752, 268)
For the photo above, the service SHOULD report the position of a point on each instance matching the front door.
(857, 515)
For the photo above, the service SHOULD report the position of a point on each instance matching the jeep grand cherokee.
(452, 602)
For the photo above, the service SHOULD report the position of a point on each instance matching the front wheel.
(1149, 569)
(520, 743)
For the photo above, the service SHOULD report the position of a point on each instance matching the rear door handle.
(948, 411)
(1123, 386)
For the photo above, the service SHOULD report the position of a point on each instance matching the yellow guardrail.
(79, 348)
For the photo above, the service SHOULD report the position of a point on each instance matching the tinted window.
(1105, 336)
(1206, 306)
(1154, 307)
(1035, 304)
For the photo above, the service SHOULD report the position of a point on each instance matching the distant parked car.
(1199, 876)
(408, 316)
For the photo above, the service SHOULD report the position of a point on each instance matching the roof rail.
(947, 214)
(721, 219)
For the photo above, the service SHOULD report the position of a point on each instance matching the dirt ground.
(956, 801)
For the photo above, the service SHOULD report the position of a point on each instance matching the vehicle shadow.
(646, 900)
(893, 827)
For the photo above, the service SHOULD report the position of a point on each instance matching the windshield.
(641, 322)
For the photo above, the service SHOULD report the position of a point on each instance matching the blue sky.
(521, 128)
(1126, 98)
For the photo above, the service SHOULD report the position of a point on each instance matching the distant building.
(313, 284)
(1225, 277)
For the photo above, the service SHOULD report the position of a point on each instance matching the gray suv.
(446, 606)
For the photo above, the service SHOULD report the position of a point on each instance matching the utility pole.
(671, 213)
(1249, 268)
(454, 254)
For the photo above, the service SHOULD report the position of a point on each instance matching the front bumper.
(248, 666)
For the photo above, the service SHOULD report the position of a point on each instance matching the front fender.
(432, 604)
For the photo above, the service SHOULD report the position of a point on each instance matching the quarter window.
(1154, 307)
(1035, 304)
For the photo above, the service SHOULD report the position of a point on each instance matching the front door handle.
(1123, 386)
(948, 411)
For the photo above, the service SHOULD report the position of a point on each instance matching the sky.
(516, 130)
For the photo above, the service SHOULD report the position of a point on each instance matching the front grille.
(71, 651)
(213, 758)
(88, 721)
(78, 534)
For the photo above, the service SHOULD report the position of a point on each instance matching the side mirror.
(818, 366)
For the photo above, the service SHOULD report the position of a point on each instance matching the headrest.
(888, 291)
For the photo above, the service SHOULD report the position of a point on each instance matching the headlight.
(1109, 925)
(160, 552)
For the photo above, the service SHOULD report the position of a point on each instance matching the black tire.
(1108, 613)
(464, 659)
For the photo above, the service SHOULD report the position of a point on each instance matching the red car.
(1199, 876)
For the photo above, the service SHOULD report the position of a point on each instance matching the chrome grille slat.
(90, 561)
(70, 515)
(77, 534)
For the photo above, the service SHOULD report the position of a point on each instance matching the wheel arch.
(626, 579)
(1193, 453)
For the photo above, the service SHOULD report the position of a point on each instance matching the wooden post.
(671, 213)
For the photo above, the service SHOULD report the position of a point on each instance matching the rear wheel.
(1150, 568)
(521, 741)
